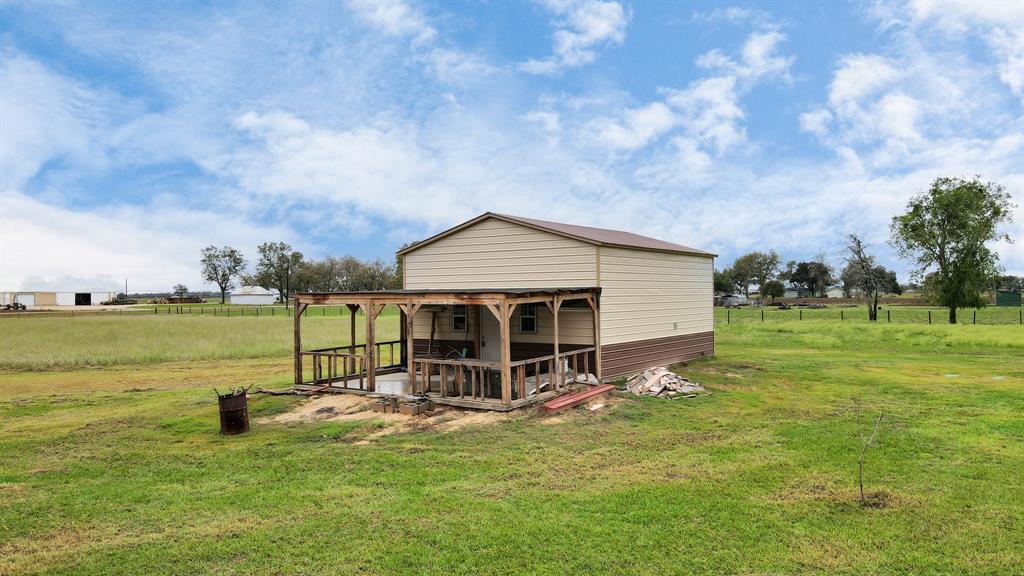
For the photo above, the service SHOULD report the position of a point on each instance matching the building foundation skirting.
(626, 358)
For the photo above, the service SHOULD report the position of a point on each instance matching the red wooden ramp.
(572, 400)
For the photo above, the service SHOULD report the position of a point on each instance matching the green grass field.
(110, 461)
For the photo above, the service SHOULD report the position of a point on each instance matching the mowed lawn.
(115, 466)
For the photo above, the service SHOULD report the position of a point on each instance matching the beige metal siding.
(498, 254)
(574, 326)
(648, 295)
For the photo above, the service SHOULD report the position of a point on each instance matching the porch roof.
(468, 295)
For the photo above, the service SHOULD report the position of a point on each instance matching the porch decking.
(471, 382)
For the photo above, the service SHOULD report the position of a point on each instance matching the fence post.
(841, 316)
(801, 313)
(727, 314)
(888, 315)
(929, 316)
(975, 316)
(762, 315)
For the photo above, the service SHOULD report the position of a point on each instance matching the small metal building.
(503, 311)
(253, 295)
(1007, 298)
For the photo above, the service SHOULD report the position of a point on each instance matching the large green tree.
(221, 266)
(755, 268)
(277, 267)
(944, 234)
(773, 289)
(723, 281)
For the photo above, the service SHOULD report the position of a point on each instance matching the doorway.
(83, 299)
(490, 335)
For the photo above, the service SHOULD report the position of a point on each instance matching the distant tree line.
(281, 268)
(945, 234)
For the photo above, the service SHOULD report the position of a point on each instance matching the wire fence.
(993, 315)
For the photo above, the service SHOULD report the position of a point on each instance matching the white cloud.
(816, 121)
(636, 129)
(45, 116)
(860, 76)
(394, 17)
(154, 246)
(582, 25)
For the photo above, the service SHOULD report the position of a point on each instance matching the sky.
(133, 135)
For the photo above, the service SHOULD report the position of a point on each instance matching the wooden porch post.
(410, 311)
(506, 353)
(556, 377)
(299, 309)
(596, 316)
(372, 310)
(352, 308)
(476, 330)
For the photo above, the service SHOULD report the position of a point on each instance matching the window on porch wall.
(460, 318)
(528, 318)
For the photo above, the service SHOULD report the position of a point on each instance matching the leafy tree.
(220, 266)
(180, 290)
(763, 266)
(814, 276)
(786, 275)
(742, 273)
(773, 289)
(276, 267)
(723, 281)
(944, 233)
(1010, 283)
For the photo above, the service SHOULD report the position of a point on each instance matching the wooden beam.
(595, 311)
(476, 331)
(371, 347)
(299, 309)
(494, 310)
(556, 377)
(506, 355)
(410, 345)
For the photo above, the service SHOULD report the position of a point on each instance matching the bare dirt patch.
(348, 407)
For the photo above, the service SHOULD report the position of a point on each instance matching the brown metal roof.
(599, 236)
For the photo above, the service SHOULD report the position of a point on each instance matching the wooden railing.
(342, 363)
(388, 353)
(520, 369)
(576, 359)
(472, 376)
(340, 367)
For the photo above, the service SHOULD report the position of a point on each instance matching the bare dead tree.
(867, 277)
(866, 441)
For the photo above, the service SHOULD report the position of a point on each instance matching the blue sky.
(132, 135)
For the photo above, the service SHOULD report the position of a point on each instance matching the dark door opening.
(83, 299)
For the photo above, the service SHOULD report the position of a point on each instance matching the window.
(460, 319)
(528, 318)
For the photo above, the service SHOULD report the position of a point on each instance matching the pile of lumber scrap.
(661, 382)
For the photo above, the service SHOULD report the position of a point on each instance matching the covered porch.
(488, 348)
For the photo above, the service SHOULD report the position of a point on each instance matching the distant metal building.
(253, 295)
(36, 298)
(1007, 298)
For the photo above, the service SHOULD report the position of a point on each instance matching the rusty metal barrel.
(234, 412)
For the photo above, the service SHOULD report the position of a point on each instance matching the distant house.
(834, 292)
(253, 295)
(796, 292)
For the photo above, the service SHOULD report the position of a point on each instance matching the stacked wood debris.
(663, 383)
